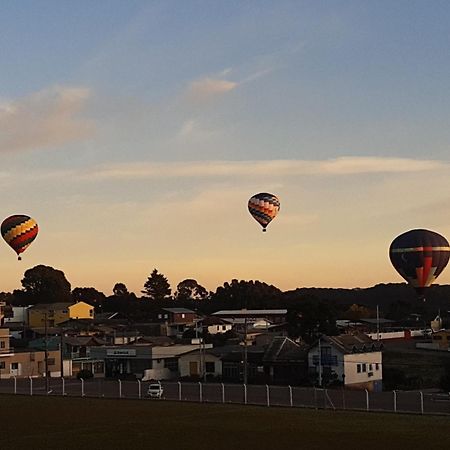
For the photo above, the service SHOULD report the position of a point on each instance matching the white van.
(155, 390)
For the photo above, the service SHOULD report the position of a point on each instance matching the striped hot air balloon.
(264, 207)
(419, 256)
(19, 231)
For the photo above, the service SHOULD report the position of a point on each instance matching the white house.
(355, 360)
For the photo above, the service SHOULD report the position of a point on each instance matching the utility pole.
(320, 363)
(245, 351)
(61, 348)
(46, 354)
(378, 324)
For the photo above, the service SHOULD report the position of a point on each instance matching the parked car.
(155, 390)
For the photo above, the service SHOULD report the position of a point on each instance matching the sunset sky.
(134, 133)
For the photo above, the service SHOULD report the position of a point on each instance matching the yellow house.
(56, 313)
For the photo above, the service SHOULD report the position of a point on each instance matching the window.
(364, 367)
(2, 344)
(358, 368)
(51, 361)
(171, 364)
(91, 312)
(224, 327)
(210, 366)
(160, 316)
(370, 368)
(183, 316)
(2, 364)
(14, 366)
(377, 366)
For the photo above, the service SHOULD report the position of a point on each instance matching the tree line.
(319, 307)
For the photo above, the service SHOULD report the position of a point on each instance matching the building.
(53, 314)
(26, 363)
(352, 360)
(286, 362)
(177, 320)
(2, 313)
(248, 316)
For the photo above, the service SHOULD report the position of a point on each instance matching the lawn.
(73, 423)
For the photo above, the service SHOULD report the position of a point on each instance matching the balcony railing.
(325, 360)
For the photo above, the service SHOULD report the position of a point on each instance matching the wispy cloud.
(47, 118)
(206, 88)
(273, 168)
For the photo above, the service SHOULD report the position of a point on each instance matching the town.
(182, 337)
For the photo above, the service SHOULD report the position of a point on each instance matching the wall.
(185, 360)
(81, 310)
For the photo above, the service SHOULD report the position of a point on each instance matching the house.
(248, 316)
(352, 360)
(200, 363)
(26, 363)
(216, 325)
(286, 362)
(177, 320)
(166, 365)
(233, 365)
(53, 314)
(2, 313)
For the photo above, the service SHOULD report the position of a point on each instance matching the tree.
(157, 287)
(44, 284)
(189, 289)
(120, 290)
(89, 295)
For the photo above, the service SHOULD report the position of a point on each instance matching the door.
(193, 368)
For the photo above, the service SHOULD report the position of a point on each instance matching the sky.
(135, 132)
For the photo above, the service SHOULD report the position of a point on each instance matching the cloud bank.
(197, 169)
(48, 118)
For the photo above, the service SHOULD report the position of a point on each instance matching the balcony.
(7, 351)
(326, 360)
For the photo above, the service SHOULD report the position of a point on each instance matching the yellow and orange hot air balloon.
(19, 231)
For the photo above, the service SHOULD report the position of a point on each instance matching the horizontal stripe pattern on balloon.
(420, 256)
(264, 207)
(19, 231)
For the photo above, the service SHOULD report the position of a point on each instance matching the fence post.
(63, 386)
(367, 399)
(31, 385)
(245, 394)
(421, 402)
(315, 397)
(15, 385)
(268, 395)
(290, 396)
(179, 390)
(82, 387)
(200, 391)
(120, 388)
(395, 401)
(139, 389)
(343, 398)
(223, 392)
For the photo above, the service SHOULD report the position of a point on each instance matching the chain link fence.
(416, 402)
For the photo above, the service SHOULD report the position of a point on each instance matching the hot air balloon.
(419, 256)
(19, 232)
(264, 207)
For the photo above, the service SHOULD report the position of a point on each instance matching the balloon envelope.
(419, 256)
(19, 231)
(264, 207)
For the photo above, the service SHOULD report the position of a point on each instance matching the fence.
(264, 395)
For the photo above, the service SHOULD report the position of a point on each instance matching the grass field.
(36, 423)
